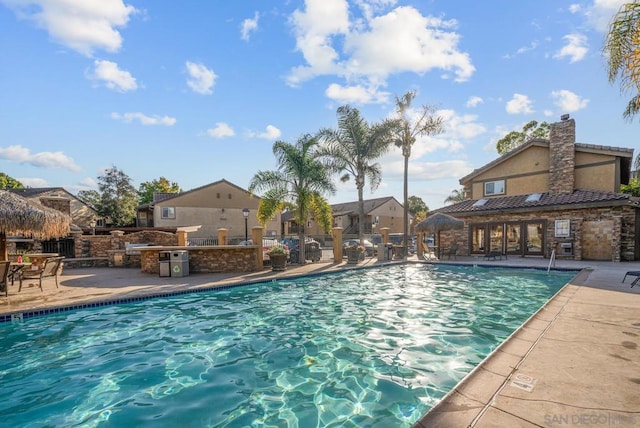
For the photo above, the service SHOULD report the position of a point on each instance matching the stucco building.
(549, 195)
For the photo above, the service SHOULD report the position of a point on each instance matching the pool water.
(370, 347)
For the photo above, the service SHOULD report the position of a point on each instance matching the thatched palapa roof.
(19, 216)
(439, 222)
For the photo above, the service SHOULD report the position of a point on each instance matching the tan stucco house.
(549, 195)
(379, 213)
(206, 209)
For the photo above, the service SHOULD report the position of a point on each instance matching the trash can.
(179, 263)
(389, 251)
(164, 267)
(383, 256)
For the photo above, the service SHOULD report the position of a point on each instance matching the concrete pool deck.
(576, 362)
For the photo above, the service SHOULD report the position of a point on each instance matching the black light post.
(245, 213)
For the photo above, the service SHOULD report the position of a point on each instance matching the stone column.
(336, 233)
(222, 236)
(256, 237)
(384, 232)
(182, 238)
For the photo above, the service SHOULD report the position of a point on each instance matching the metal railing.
(202, 242)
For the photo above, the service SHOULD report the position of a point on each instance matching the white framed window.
(563, 228)
(168, 212)
(494, 188)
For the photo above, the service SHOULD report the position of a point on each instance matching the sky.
(199, 91)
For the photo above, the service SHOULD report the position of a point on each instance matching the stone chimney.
(562, 156)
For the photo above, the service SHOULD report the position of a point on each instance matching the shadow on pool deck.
(575, 362)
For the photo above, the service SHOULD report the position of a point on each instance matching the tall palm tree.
(622, 48)
(299, 184)
(456, 196)
(424, 122)
(352, 150)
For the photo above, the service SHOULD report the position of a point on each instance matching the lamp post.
(245, 213)
(92, 224)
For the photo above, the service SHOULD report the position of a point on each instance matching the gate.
(64, 247)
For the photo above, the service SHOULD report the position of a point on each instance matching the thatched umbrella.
(438, 222)
(19, 216)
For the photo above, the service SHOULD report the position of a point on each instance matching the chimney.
(60, 204)
(562, 156)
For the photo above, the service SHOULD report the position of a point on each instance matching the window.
(494, 187)
(563, 227)
(480, 202)
(534, 197)
(168, 212)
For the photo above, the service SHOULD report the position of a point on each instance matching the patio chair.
(429, 253)
(49, 269)
(635, 273)
(4, 274)
(453, 251)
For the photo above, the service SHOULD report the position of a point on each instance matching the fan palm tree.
(425, 122)
(456, 196)
(299, 184)
(622, 48)
(352, 150)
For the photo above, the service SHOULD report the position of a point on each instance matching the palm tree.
(299, 184)
(622, 48)
(456, 196)
(425, 122)
(352, 150)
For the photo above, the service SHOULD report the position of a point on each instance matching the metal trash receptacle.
(164, 268)
(179, 262)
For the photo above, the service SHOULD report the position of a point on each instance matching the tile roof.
(519, 202)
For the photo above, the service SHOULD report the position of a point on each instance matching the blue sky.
(199, 91)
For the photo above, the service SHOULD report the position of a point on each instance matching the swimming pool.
(358, 348)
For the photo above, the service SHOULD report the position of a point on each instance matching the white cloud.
(81, 25)
(248, 26)
(88, 182)
(568, 102)
(201, 79)
(270, 133)
(144, 119)
(47, 160)
(112, 77)
(575, 49)
(33, 182)
(370, 49)
(524, 49)
(519, 104)
(221, 130)
(355, 94)
(474, 101)
(599, 15)
(575, 8)
(439, 170)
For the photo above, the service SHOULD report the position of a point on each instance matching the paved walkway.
(574, 363)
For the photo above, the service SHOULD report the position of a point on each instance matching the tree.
(515, 139)
(622, 49)
(7, 182)
(456, 196)
(117, 197)
(90, 197)
(417, 205)
(352, 150)
(633, 188)
(299, 184)
(425, 122)
(160, 185)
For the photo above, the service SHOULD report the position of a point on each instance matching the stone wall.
(208, 259)
(60, 204)
(624, 218)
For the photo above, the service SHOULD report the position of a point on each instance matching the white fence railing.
(202, 242)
